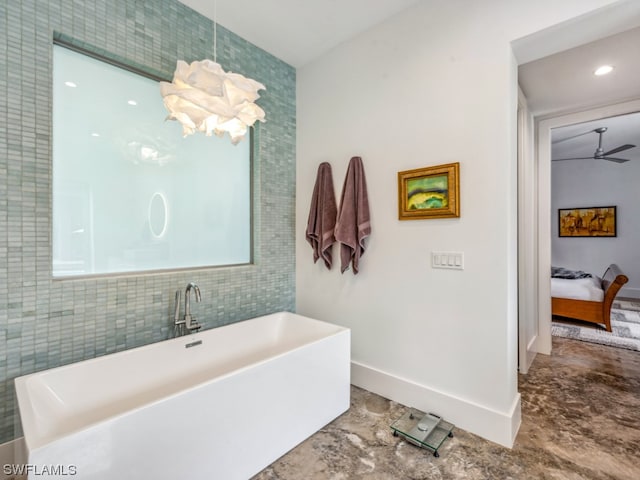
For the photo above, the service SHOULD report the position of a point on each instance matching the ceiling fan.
(600, 154)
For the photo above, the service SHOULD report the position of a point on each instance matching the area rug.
(625, 326)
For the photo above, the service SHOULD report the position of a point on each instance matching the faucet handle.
(191, 323)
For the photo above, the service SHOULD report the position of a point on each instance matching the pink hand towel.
(353, 224)
(322, 216)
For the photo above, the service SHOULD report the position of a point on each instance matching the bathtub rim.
(22, 390)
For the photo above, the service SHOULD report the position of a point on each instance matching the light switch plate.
(450, 260)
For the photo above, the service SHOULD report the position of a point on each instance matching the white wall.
(433, 85)
(592, 184)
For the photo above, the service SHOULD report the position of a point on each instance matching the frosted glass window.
(129, 192)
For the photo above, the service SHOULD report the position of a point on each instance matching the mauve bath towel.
(353, 224)
(322, 215)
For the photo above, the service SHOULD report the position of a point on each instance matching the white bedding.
(579, 289)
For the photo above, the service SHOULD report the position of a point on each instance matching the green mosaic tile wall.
(45, 323)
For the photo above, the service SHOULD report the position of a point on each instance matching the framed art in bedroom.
(429, 192)
(587, 222)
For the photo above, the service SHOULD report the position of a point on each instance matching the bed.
(588, 298)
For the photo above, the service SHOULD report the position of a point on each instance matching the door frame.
(527, 266)
(544, 126)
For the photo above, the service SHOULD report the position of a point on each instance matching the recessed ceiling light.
(71, 84)
(603, 70)
(132, 102)
(95, 134)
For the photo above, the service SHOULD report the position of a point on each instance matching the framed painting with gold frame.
(429, 192)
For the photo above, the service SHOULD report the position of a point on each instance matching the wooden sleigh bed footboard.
(593, 312)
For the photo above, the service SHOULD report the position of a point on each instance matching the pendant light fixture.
(205, 98)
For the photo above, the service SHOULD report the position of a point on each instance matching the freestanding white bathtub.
(221, 409)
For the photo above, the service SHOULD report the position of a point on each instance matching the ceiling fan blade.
(613, 159)
(571, 137)
(575, 158)
(621, 148)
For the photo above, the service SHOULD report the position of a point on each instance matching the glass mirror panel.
(130, 193)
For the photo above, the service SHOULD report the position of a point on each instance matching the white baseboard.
(498, 427)
(532, 351)
(8, 456)
(629, 292)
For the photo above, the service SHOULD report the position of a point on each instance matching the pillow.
(561, 272)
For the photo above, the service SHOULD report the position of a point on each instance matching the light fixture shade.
(205, 98)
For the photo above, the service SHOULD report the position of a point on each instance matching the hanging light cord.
(227, 107)
(215, 31)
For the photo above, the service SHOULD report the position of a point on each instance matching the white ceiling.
(298, 31)
(565, 81)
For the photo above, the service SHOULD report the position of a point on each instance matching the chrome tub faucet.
(188, 321)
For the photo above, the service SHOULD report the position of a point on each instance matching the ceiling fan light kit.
(600, 154)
